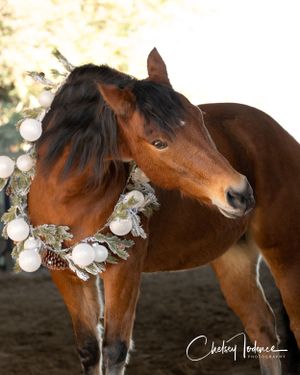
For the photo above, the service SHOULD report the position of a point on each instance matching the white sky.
(235, 51)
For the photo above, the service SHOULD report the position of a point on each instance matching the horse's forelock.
(80, 118)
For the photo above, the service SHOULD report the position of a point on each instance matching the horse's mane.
(80, 118)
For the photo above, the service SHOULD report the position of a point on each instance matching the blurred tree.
(8, 95)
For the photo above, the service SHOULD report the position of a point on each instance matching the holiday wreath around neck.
(44, 244)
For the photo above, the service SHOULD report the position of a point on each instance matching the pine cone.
(53, 261)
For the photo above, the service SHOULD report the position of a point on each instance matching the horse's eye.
(160, 145)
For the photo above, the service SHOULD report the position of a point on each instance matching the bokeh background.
(243, 51)
(216, 51)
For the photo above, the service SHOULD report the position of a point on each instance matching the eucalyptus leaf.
(111, 259)
(3, 182)
(19, 246)
(4, 232)
(9, 215)
(32, 112)
(56, 74)
(68, 66)
(40, 78)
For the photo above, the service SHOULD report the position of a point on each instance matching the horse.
(203, 162)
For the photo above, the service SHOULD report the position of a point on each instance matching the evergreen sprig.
(122, 208)
(116, 245)
(52, 235)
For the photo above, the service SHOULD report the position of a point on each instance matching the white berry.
(137, 196)
(30, 260)
(83, 255)
(25, 163)
(7, 166)
(18, 229)
(32, 243)
(45, 99)
(120, 227)
(101, 253)
(31, 129)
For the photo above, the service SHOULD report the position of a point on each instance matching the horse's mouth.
(233, 214)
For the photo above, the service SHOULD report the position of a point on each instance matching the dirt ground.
(36, 335)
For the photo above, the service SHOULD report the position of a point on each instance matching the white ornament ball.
(83, 255)
(31, 129)
(138, 197)
(25, 163)
(120, 227)
(18, 229)
(30, 260)
(32, 243)
(46, 98)
(7, 166)
(101, 253)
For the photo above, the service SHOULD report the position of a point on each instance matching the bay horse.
(99, 120)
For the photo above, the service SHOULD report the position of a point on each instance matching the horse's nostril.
(233, 198)
(241, 200)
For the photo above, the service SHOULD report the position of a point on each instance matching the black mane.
(80, 118)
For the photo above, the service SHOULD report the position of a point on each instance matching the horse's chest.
(185, 234)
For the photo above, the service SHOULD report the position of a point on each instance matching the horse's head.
(166, 135)
(100, 115)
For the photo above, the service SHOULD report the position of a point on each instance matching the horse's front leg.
(82, 300)
(121, 289)
(238, 275)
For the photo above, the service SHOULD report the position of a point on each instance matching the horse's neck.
(72, 202)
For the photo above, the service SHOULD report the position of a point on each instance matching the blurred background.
(216, 51)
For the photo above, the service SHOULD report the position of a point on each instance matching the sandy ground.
(36, 335)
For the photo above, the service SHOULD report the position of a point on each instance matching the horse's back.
(254, 143)
(258, 147)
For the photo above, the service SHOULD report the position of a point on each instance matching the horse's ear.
(120, 100)
(157, 69)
